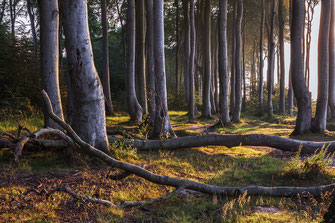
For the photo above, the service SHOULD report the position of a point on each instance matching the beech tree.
(134, 109)
(223, 63)
(206, 101)
(191, 104)
(320, 119)
(282, 56)
(332, 62)
(301, 93)
(49, 27)
(105, 60)
(162, 126)
(261, 61)
(88, 98)
(271, 57)
(186, 12)
(238, 71)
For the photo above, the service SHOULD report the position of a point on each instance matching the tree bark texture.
(89, 101)
(332, 62)
(191, 104)
(282, 57)
(261, 61)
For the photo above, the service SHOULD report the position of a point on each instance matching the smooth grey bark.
(271, 56)
(105, 60)
(150, 60)
(177, 48)
(223, 63)
(332, 62)
(282, 57)
(320, 120)
(134, 109)
(162, 126)
(233, 67)
(301, 93)
(191, 104)
(290, 95)
(32, 24)
(88, 98)
(261, 61)
(244, 105)
(206, 101)
(49, 26)
(238, 65)
(186, 48)
(140, 56)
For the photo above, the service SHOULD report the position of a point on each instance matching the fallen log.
(131, 169)
(231, 140)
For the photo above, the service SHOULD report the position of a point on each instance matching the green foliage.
(122, 149)
(311, 167)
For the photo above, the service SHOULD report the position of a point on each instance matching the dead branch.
(9, 135)
(175, 182)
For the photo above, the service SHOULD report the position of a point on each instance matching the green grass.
(219, 165)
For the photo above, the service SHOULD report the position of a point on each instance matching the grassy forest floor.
(238, 166)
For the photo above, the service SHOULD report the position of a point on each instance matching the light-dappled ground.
(238, 166)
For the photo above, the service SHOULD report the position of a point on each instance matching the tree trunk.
(105, 60)
(2, 13)
(140, 55)
(301, 93)
(32, 24)
(150, 60)
(244, 105)
(162, 127)
(177, 47)
(261, 61)
(186, 49)
(320, 120)
(232, 72)
(290, 96)
(238, 72)
(332, 62)
(191, 104)
(89, 104)
(271, 56)
(134, 108)
(49, 23)
(206, 101)
(12, 12)
(223, 63)
(282, 57)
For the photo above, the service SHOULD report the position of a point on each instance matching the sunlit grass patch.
(11, 124)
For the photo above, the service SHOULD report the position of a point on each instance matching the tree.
(238, 66)
(49, 25)
(206, 101)
(134, 109)
(150, 60)
(32, 24)
(177, 47)
(261, 61)
(89, 102)
(332, 62)
(320, 119)
(282, 56)
(105, 58)
(223, 63)
(271, 56)
(162, 126)
(191, 104)
(301, 93)
(140, 56)
(232, 69)
(186, 12)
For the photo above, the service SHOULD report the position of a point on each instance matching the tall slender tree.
(261, 61)
(282, 56)
(140, 55)
(233, 67)
(320, 119)
(89, 102)
(177, 47)
(49, 26)
(332, 62)
(191, 104)
(206, 101)
(186, 48)
(31, 14)
(105, 60)
(162, 126)
(238, 65)
(223, 63)
(134, 108)
(271, 57)
(301, 93)
(150, 60)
